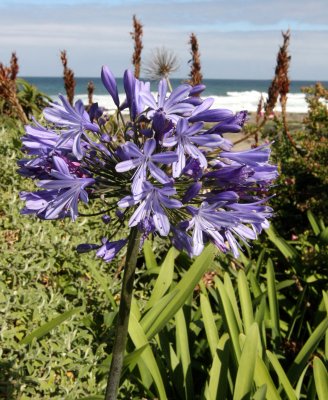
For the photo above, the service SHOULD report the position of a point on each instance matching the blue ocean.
(235, 94)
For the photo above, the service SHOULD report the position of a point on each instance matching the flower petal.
(178, 166)
(214, 115)
(127, 165)
(109, 82)
(149, 147)
(157, 173)
(162, 90)
(178, 94)
(165, 158)
(161, 221)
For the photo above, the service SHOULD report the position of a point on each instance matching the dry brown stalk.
(196, 76)
(279, 88)
(283, 60)
(91, 89)
(280, 82)
(14, 67)
(8, 88)
(258, 117)
(137, 37)
(68, 77)
(259, 110)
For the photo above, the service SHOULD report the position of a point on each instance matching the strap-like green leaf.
(313, 222)
(164, 279)
(324, 235)
(245, 301)
(299, 385)
(233, 300)
(132, 358)
(140, 340)
(209, 323)
(158, 316)
(218, 378)
(150, 259)
(320, 378)
(309, 347)
(260, 394)
(183, 353)
(288, 251)
(229, 317)
(273, 301)
(282, 376)
(245, 375)
(262, 377)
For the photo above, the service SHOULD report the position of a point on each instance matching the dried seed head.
(137, 37)
(280, 82)
(68, 77)
(196, 76)
(162, 64)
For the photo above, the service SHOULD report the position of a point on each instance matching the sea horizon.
(235, 94)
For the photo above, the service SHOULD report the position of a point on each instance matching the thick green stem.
(123, 316)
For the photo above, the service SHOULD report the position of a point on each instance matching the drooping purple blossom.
(182, 241)
(253, 157)
(197, 90)
(206, 223)
(211, 115)
(70, 189)
(109, 250)
(74, 120)
(153, 202)
(41, 141)
(37, 202)
(230, 124)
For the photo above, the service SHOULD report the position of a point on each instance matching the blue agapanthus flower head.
(164, 167)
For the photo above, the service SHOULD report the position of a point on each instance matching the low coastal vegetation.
(212, 327)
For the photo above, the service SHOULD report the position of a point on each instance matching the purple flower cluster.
(166, 169)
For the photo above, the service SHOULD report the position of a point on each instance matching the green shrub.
(302, 157)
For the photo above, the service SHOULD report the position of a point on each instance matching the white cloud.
(238, 39)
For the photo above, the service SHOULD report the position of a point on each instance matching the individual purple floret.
(143, 161)
(70, 189)
(76, 122)
(41, 141)
(204, 113)
(37, 202)
(188, 138)
(253, 157)
(153, 203)
(108, 250)
(207, 222)
(231, 124)
(171, 108)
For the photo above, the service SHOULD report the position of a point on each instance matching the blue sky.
(237, 38)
